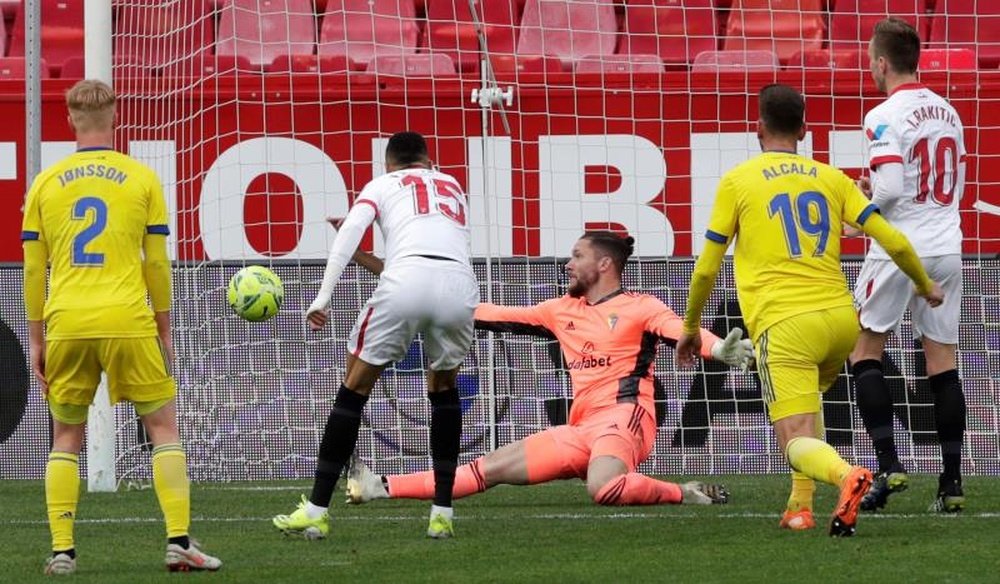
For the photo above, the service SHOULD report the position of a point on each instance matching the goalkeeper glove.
(734, 350)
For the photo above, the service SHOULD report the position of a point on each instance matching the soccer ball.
(255, 293)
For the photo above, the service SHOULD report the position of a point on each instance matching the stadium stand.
(421, 65)
(61, 32)
(568, 30)
(785, 27)
(310, 64)
(947, 60)
(261, 30)
(852, 21)
(14, 68)
(128, 66)
(968, 24)
(451, 29)
(831, 59)
(188, 26)
(674, 30)
(620, 64)
(741, 60)
(362, 29)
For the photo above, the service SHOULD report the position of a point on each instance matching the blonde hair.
(91, 105)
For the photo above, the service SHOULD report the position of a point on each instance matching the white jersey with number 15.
(421, 212)
(920, 130)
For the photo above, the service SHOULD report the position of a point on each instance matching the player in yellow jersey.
(785, 212)
(95, 223)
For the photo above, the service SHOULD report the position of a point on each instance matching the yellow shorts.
(137, 371)
(800, 357)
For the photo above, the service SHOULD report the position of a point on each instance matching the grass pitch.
(549, 533)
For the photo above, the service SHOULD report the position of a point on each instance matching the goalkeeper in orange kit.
(609, 337)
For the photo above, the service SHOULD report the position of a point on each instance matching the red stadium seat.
(568, 29)
(509, 65)
(362, 29)
(260, 30)
(968, 24)
(206, 65)
(784, 27)
(854, 59)
(852, 21)
(450, 29)
(15, 68)
(310, 64)
(61, 32)
(947, 60)
(164, 33)
(723, 61)
(424, 65)
(122, 66)
(675, 30)
(620, 64)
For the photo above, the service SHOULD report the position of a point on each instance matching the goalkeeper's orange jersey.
(609, 346)
(92, 210)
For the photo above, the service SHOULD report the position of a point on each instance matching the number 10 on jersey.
(447, 198)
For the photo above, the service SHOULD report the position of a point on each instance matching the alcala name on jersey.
(789, 168)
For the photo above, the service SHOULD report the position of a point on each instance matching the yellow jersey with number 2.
(92, 210)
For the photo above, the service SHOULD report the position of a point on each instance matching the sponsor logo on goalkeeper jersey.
(589, 362)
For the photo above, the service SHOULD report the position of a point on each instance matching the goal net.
(264, 117)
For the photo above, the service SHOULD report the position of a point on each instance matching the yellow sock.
(170, 481)
(62, 493)
(817, 460)
(803, 488)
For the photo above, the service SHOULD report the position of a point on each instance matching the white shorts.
(883, 293)
(436, 297)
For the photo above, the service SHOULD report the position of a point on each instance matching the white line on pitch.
(546, 516)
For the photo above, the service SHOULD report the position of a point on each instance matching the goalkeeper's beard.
(581, 284)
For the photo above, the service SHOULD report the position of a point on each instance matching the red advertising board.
(647, 140)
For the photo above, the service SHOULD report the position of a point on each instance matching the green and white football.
(255, 293)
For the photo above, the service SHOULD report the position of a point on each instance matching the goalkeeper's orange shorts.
(625, 431)
(800, 357)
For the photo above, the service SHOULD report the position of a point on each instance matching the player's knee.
(608, 493)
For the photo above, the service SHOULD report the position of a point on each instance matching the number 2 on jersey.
(449, 201)
(800, 218)
(82, 257)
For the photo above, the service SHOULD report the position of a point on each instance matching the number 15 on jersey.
(445, 197)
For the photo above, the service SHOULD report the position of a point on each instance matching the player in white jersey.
(917, 161)
(428, 286)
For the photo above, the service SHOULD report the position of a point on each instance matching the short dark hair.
(406, 148)
(611, 244)
(782, 109)
(898, 42)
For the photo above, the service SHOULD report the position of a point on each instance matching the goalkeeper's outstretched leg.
(604, 451)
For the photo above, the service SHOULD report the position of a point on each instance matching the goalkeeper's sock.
(949, 417)
(875, 404)
(816, 459)
(446, 435)
(173, 490)
(469, 480)
(339, 439)
(62, 493)
(638, 489)
(801, 497)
